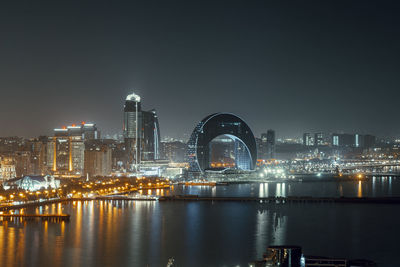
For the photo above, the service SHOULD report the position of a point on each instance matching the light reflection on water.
(375, 187)
(359, 190)
(118, 233)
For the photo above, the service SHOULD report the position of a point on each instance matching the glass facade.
(141, 132)
(215, 125)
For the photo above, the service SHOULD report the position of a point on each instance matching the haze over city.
(199, 133)
(292, 67)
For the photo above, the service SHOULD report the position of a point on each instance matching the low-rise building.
(32, 183)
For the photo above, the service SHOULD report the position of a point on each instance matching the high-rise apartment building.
(38, 148)
(66, 149)
(266, 145)
(261, 146)
(353, 140)
(307, 139)
(23, 164)
(174, 151)
(98, 158)
(7, 168)
(270, 144)
(319, 139)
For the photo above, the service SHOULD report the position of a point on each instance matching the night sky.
(292, 66)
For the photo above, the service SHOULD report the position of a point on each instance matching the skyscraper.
(151, 136)
(270, 144)
(266, 145)
(132, 127)
(141, 133)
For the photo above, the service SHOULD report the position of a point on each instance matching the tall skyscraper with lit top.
(132, 128)
(141, 132)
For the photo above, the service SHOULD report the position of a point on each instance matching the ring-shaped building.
(215, 125)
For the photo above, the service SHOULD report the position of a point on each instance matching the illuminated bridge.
(216, 125)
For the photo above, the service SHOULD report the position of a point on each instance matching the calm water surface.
(115, 233)
(375, 187)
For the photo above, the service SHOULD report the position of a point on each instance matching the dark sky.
(292, 66)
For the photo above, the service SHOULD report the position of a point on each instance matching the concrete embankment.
(287, 200)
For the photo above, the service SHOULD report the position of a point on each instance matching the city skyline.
(186, 135)
(237, 58)
(199, 133)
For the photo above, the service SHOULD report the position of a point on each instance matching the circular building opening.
(209, 147)
(228, 152)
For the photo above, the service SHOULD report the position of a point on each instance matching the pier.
(65, 200)
(287, 200)
(43, 217)
(126, 198)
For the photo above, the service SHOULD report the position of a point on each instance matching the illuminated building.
(343, 140)
(28, 156)
(132, 128)
(7, 168)
(66, 149)
(353, 140)
(98, 159)
(141, 132)
(335, 140)
(213, 126)
(89, 131)
(222, 152)
(307, 140)
(283, 256)
(151, 136)
(266, 145)
(32, 183)
(23, 164)
(174, 151)
(261, 147)
(10, 144)
(153, 167)
(291, 256)
(38, 147)
(173, 172)
(318, 139)
(270, 144)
